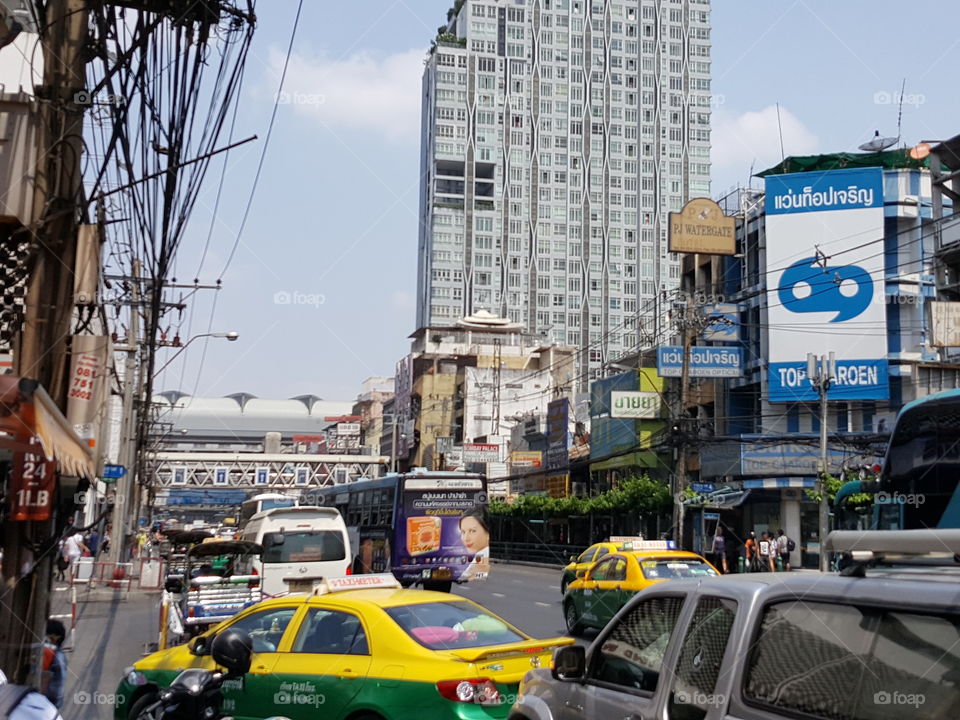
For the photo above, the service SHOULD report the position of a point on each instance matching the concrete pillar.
(790, 517)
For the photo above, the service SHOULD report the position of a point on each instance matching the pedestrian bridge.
(260, 471)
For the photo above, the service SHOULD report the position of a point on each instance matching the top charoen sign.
(701, 227)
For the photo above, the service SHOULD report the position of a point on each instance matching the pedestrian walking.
(720, 549)
(73, 549)
(785, 546)
(54, 676)
(751, 551)
(93, 542)
(767, 551)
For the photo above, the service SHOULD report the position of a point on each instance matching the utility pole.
(128, 440)
(681, 468)
(41, 351)
(821, 372)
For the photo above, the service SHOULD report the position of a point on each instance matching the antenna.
(903, 88)
(780, 130)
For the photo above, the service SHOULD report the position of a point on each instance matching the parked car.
(359, 647)
(592, 600)
(880, 641)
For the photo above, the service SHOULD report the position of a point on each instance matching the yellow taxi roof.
(663, 554)
(379, 597)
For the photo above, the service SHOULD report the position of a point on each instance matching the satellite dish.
(878, 143)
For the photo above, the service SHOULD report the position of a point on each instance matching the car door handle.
(348, 673)
(573, 706)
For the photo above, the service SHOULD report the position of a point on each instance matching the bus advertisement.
(426, 527)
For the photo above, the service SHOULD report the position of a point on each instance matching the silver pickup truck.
(878, 641)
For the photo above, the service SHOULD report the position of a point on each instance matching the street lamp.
(230, 336)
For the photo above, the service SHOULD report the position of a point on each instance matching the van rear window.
(312, 546)
(845, 662)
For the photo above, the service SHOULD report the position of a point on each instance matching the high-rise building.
(557, 135)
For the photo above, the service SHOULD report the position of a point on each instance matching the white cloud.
(754, 138)
(357, 92)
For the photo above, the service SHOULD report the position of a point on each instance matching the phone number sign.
(32, 483)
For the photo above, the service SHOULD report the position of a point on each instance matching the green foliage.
(639, 495)
(452, 39)
(833, 486)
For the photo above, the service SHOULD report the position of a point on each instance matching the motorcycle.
(195, 694)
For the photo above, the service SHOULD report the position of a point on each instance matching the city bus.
(261, 502)
(426, 527)
(919, 483)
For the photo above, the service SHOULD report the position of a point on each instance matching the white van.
(304, 541)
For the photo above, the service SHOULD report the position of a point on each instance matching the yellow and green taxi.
(579, 564)
(593, 600)
(359, 646)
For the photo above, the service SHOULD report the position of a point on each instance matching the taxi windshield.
(452, 625)
(672, 568)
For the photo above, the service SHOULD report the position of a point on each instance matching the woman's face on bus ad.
(475, 538)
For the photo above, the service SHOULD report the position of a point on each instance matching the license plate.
(441, 574)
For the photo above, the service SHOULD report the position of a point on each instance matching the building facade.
(868, 279)
(557, 135)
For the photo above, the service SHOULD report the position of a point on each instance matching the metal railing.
(548, 554)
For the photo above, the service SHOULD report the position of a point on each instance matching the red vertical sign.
(32, 482)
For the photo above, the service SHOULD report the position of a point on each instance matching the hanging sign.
(32, 483)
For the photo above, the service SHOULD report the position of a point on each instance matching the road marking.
(61, 617)
(542, 604)
(498, 594)
(554, 587)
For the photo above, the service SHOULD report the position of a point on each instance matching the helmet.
(232, 649)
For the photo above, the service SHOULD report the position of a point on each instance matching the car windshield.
(316, 546)
(452, 625)
(669, 568)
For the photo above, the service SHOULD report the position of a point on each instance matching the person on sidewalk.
(720, 550)
(54, 663)
(750, 551)
(783, 548)
(74, 548)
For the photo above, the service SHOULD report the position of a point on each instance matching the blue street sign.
(703, 488)
(113, 472)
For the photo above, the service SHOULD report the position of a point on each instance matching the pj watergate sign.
(825, 288)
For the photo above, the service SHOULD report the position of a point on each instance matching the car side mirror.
(573, 558)
(200, 645)
(569, 663)
(173, 585)
(272, 539)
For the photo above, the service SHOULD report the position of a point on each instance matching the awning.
(27, 411)
(784, 482)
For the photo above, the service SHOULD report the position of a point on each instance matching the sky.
(321, 287)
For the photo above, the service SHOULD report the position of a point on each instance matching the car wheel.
(147, 707)
(574, 624)
(438, 585)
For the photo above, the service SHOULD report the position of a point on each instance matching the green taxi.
(358, 646)
(593, 600)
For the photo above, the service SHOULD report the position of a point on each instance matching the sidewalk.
(114, 629)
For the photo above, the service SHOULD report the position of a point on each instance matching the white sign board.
(481, 453)
(945, 320)
(825, 282)
(634, 404)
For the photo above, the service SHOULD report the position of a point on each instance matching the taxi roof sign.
(652, 545)
(318, 585)
(625, 538)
